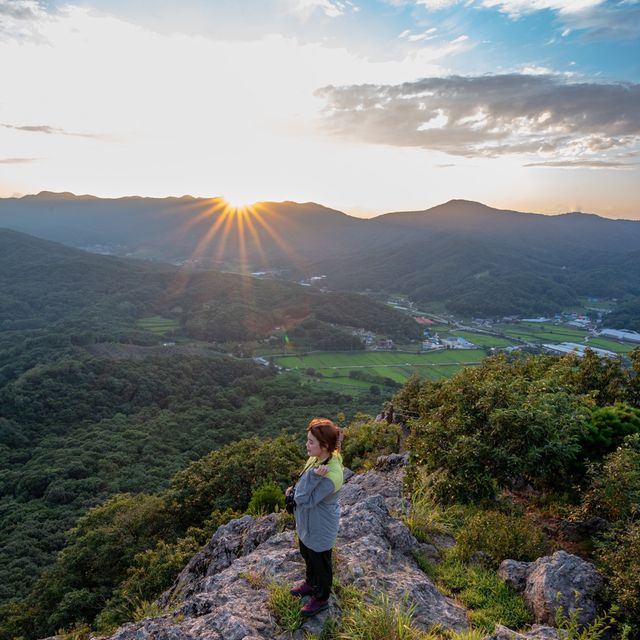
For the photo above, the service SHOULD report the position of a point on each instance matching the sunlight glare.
(238, 202)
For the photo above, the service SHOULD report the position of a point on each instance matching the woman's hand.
(288, 491)
(322, 470)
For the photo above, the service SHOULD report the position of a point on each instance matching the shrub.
(499, 536)
(366, 439)
(488, 426)
(614, 487)
(621, 560)
(266, 498)
(608, 428)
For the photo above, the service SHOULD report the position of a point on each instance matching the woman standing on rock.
(317, 512)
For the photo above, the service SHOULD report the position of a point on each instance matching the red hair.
(326, 432)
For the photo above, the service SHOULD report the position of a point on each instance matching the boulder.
(514, 573)
(561, 581)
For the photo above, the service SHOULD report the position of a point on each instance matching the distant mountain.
(475, 259)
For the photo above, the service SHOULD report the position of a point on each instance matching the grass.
(489, 600)
(611, 345)
(285, 607)
(428, 518)
(157, 324)
(378, 620)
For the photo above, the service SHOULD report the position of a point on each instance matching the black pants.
(319, 571)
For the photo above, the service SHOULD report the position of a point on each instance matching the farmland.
(542, 332)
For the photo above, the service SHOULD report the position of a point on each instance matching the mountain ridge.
(473, 258)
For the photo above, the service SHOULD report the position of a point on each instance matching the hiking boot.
(301, 589)
(314, 606)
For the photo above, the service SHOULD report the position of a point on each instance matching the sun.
(238, 202)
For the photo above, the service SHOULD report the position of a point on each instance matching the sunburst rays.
(253, 227)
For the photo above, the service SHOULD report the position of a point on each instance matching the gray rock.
(514, 573)
(581, 529)
(386, 463)
(562, 581)
(537, 631)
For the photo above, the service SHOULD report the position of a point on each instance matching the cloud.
(583, 164)
(17, 160)
(609, 20)
(20, 9)
(599, 19)
(43, 128)
(516, 8)
(489, 116)
(20, 19)
(429, 34)
(331, 8)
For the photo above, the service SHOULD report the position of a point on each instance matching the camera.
(290, 502)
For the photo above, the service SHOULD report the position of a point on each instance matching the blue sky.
(365, 106)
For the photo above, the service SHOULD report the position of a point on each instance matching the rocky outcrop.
(561, 581)
(223, 594)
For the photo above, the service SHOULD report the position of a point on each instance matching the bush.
(267, 498)
(614, 488)
(621, 560)
(499, 536)
(366, 439)
(608, 428)
(489, 426)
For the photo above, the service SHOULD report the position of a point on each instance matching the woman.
(317, 512)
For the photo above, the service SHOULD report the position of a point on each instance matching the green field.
(611, 345)
(388, 364)
(157, 324)
(543, 332)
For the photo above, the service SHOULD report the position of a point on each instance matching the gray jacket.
(317, 510)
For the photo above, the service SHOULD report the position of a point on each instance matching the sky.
(365, 106)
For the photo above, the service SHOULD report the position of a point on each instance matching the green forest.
(116, 468)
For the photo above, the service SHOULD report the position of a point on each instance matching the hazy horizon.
(354, 214)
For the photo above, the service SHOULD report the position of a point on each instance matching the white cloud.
(20, 19)
(519, 7)
(599, 19)
(331, 8)
(491, 116)
(435, 5)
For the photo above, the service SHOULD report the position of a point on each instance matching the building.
(622, 335)
(457, 343)
(578, 349)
